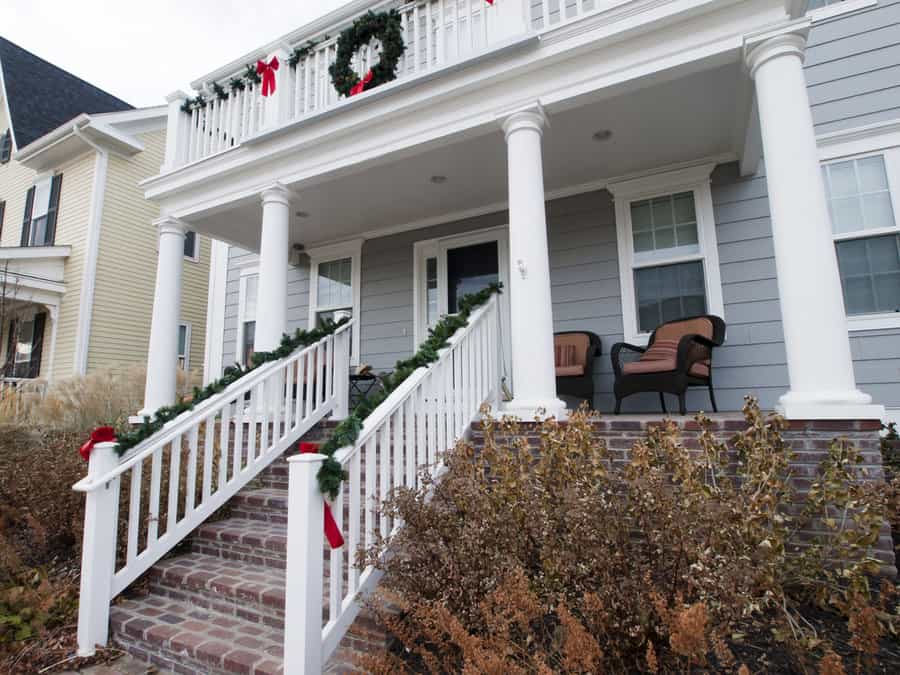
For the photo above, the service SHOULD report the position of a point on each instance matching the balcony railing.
(437, 33)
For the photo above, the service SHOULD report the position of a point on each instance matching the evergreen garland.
(250, 74)
(191, 104)
(289, 343)
(387, 28)
(332, 473)
(219, 91)
(236, 84)
(301, 53)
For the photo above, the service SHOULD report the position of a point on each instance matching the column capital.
(530, 117)
(275, 194)
(170, 225)
(788, 39)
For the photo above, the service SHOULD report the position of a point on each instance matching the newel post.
(178, 131)
(98, 552)
(341, 375)
(305, 567)
(278, 105)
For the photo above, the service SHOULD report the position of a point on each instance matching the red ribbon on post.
(98, 435)
(267, 72)
(332, 533)
(360, 86)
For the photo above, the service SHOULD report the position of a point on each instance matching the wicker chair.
(574, 361)
(678, 356)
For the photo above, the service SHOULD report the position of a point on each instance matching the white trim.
(874, 140)
(248, 270)
(321, 254)
(213, 349)
(92, 253)
(6, 109)
(187, 344)
(694, 179)
(839, 8)
(34, 252)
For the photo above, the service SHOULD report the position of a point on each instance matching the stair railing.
(197, 462)
(408, 432)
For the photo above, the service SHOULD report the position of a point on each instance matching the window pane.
(669, 292)
(24, 341)
(334, 283)
(431, 291)
(38, 233)
(664, 222)
(247, 346)
(182, 339)
(469, 270)
(251, 295)
(858, 194)
(190, 243)
(870, 274)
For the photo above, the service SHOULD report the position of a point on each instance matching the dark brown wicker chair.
(678, 356)
(574, 361)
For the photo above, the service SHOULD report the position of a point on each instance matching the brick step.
(265, 504)
(229, 587)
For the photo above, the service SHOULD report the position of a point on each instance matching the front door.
(451, 267)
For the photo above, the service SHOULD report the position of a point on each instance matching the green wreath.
(387, 28)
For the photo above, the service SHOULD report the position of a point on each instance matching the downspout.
(89, 273)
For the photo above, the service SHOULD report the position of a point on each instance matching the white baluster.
(98, 557)
(353, 526)
(305, 567)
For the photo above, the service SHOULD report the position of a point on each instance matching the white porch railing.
(197, 462)
(16, 393)
(436, 33)
(406, 433)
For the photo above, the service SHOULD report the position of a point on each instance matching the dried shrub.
(558, 560)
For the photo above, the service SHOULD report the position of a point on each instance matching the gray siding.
(853, 68)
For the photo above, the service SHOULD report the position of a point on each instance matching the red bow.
(267, 71)
(490, 2)
(360, 86)
(332, 533)
(98, 435)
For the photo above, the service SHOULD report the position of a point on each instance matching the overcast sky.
(142, 50)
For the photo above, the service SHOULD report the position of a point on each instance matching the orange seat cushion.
(569, 371)
(662, 355)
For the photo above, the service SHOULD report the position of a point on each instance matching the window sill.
(873, 322)
(839, 9)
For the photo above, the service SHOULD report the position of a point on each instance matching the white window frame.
(196, 255)
(694, 179)
(187, 344)
(246, 273)
(324, 254)
(437, 248)
(838, 9)
(881, 139)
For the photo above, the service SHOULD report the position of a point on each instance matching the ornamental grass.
(557, 560)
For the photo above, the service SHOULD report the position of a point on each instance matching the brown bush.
(556, 561)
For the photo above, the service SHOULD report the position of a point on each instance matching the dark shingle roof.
(42, 97)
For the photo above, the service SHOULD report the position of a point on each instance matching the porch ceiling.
(697, 116)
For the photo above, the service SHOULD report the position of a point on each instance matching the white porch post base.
(162, 358)
(817, 344)
(271, 307)
(531, 309)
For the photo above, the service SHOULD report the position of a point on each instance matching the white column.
(531, 311)
(162, 358)
(274, 252)
(817, 343)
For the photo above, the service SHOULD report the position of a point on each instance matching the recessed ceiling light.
(603, 135)
(437, 180)
(301, 214)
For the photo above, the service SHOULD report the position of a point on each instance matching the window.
(184, 346)
(668, 257)
(5, 147)
(2, 214)
(24, 346)
(249, 292)
(191, 246)
(864, 220)
(334, 286)
(41, 208)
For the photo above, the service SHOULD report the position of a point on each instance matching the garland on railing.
(332, 473)
(289, 343)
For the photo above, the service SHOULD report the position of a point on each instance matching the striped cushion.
(661, 357)
(565, 355)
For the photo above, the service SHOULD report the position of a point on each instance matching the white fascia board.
(66, 140)
(34, 252)
(6, 106)
(556, 75)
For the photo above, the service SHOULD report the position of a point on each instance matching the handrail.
(396, 398)
(182, 423)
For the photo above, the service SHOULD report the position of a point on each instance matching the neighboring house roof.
(41, 96)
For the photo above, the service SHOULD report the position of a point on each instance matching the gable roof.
(41, 96)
